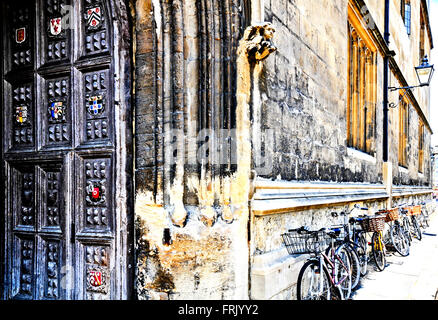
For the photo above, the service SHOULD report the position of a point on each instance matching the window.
(422, 35)
(361, 88)
(403, 132)
(405, 11)
(421, 147)
(422, 52)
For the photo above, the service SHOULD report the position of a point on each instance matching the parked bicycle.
(339, 254)
(324, 276)
(413, 226)
(396, 232)
(375, 225)
(353, 237)
(424, 216)
(405, 222)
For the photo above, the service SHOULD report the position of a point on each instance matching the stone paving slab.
(414, 277)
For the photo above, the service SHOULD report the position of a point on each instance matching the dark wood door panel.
(95, 265)
(37, 229)
(37, 264)
(37, 196)
(59, 152)
(51, 204)
(55, 33)
(20, 116)
(22, 278)
(94, 214)
(23, 198)
(56, 112)
(95, 32)
(51, 262)
(96, 111)
(20, 34)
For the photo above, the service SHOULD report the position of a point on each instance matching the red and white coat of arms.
(55, 26)
(20, 35)
(94, 16)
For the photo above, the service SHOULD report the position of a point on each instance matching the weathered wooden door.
(66, 218)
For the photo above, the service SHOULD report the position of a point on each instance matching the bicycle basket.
(373, 224)
(392, 215)
(305, 243)
(414, 211)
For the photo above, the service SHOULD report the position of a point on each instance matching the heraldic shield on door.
(66, 222)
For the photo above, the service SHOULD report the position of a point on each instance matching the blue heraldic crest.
(95, 105)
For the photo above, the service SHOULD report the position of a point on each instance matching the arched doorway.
(66, 129)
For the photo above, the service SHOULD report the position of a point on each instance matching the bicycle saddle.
(303, 229)
(357, 219)
(333, 232)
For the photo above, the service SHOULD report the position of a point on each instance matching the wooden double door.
(66, 228)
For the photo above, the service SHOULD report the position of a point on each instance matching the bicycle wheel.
(312, 283)
(416, 228)
(353, 260)
(399, 240)
(354, 266)
(425, 218)
(407, 229)
(362, 251)
(343, 271)
(378, 251)
(421, 221)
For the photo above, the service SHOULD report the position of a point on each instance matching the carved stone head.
(258, 40)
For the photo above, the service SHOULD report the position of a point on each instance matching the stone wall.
(304, 94)
(303, 100)
(196, 235)
(191, 212)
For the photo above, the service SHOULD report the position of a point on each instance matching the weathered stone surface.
(197, 237)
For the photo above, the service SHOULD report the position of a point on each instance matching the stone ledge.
(274, 197)
(274, 272)
(401, 191)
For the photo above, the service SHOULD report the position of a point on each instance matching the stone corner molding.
(258, 38)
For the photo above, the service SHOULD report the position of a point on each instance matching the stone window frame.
(362, 85)
(403, 131)
(406, 14)
(421, 143)
(422, 49)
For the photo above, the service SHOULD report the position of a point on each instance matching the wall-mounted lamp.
(424, 73)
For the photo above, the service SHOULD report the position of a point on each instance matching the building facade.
(435, 171)
(158, 149)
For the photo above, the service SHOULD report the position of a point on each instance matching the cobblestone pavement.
(414, 277)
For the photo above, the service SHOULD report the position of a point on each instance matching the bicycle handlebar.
(343, 213)
(306, 229)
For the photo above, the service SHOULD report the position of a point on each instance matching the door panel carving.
(55, 24)
(21, 34)
(22, 114)
(56, 117)
(96, 192)
(61, 216)
(94, 27)
(23, 282)
(97, 107)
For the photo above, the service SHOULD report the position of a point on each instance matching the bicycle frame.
(329, 264)
(380, 242)
(356, 238)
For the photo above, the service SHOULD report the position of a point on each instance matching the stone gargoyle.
(258, 40)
